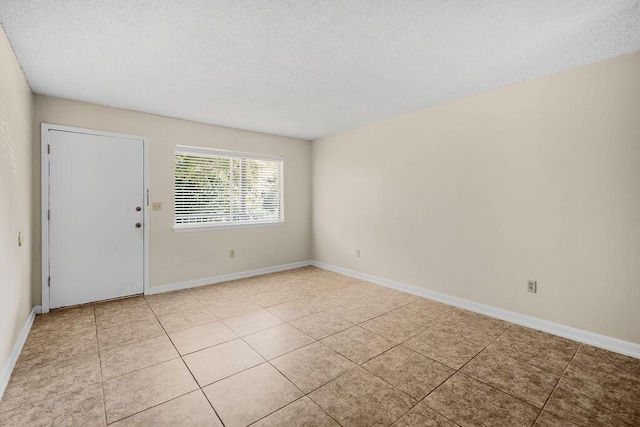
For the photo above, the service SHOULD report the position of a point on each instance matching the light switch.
(156, 206)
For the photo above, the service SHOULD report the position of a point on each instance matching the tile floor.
(308, 347)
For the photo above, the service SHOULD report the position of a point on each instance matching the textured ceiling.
(304, 68)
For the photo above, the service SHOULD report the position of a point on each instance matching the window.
(215, 187)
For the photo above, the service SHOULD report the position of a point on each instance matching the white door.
(96, 212)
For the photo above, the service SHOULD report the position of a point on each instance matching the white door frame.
(46, 127)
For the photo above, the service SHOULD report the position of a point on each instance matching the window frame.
(186, 149)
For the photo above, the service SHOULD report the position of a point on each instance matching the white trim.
(187, 149)
(44, 209)
(44, 172)
(7, 369)
(146, 211)
(223, 278)
(185, 228)
(619, 346)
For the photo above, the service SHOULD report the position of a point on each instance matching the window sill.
(192, 228)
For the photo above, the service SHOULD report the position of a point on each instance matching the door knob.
(138, 208)
(138, 224)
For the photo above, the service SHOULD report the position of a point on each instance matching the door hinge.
(49, 281)
(48, 148)
(49, 215)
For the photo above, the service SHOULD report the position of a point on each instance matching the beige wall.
(177, 257)
(16, 107)
(536, 181)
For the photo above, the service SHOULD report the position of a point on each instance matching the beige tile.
(612, 371)
(357, 344)
(276, 341)
(118, 304)
(162, 304)
(178, 320)
(79, 408)
(599, 360)
(221, 361)
(137, 331)
(50, 352)
(411, 372)
(131, 357)
(164, 297)
(298, 308)
(475, 329)
(255, 321)
(469, 402)
(354, 291)
(526, 382)
(232, 307)
(190, 410)
(122, 315)
(134, 392)
(312, 366)
(274, 297)
(363, 309)
(400, 324)
(359, 398)
(301, 413)
(58, 364)
(262, 390)
(210, 294)
(433, 309)
(31, 386)
(585, 401)
(422, 416)
(393, 298)
(60, 330)
(321, 325)
(547, 419)
(470, 318)
(78, 316)
(545, 351)
(333, 299)
(444, 346)
(203, 336)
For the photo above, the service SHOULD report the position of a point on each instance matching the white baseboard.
(224, 278)
(591, 338)
(7, 369)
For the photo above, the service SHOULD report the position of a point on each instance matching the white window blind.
(215, 187)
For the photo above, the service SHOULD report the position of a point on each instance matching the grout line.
(319, 341)
(418, 401)
(154, 406)
(104, 398)
(506, 392)
(187, 366)
(361, 365)
(557, 383)
(303, 395)
(291, 403)
(356, 365)
(281, 373)
(462, 373)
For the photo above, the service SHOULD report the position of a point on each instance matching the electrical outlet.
(532, 286)
(232, 253)
(156, 206)
(358, 253)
